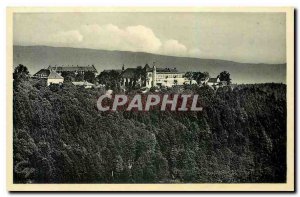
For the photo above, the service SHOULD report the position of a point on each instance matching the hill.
(37, 57)
(60, 137)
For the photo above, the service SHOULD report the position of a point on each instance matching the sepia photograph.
(150, 99)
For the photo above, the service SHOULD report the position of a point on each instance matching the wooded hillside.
(60, 137)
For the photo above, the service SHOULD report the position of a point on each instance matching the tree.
(225, 76)
(200, 76)
(79, 77)
(232, 140)
(175, 81)
(111, 79)
(20, 73)
(139, 76)
(189, 76)
(197, 76)
(89, 76)
(68, 76)
(103, 78)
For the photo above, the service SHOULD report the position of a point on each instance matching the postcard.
(150, 99)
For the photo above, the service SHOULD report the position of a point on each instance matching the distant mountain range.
(38, 57)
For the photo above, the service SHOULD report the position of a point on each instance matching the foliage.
(79, 77)
(189, 76)
(139, 77)
(60, 137)
(111, 79)
(90, 77)
(20, 73)
(68, 76)
(225, 76)
(197, 76)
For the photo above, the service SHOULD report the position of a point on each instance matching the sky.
(241, 37)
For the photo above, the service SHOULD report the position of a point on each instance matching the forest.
(59, 136)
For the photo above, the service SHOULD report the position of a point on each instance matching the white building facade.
(54, 78)
(165, 77)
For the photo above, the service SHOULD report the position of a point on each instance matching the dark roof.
(54, 75)
(147, 67)
(129, 73)
(117, 70)
(73, 68)
(213, 80)
(164, 70)
(42, 72)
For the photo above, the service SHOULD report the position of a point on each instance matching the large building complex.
(76, 69)
(44, 73)
(152, 77)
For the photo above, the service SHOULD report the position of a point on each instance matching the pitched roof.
(117, 70)
(74, 68)
(147, 67)
(54, 75)
(213, 80)
(167, 70)
(129, 73)
(164, 70)
(45, 72)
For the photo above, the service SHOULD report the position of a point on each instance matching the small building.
(54, 78)
(216, 82)
(213, 81)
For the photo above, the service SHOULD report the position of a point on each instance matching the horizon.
(238, 37)
(255, 63)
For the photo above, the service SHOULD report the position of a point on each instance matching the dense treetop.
(59, 136)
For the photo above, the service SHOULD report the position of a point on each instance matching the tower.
(123, 67)
(154, 75)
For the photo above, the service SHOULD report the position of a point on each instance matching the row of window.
(163, 76)
(168, 76)
(42, 75)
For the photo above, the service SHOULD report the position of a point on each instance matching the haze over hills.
(38, 57)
